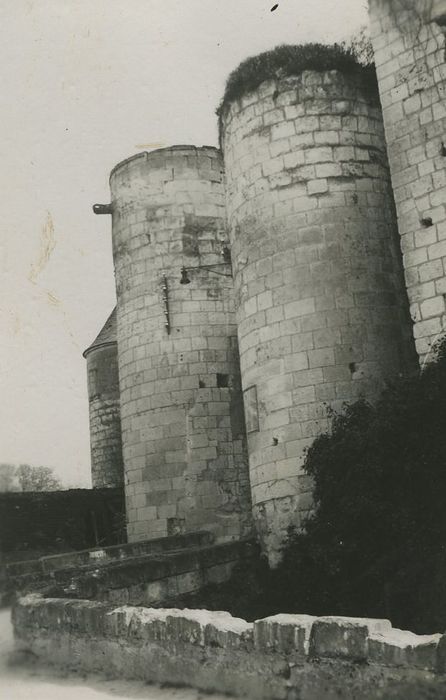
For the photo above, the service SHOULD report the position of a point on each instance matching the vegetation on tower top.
(287, 60)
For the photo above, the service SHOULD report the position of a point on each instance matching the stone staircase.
(141, 573)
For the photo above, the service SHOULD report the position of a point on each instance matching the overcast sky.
(84, 84)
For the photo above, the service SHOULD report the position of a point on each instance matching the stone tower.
(104, 408)
(181, 405)
(409, 45)
(320, 300)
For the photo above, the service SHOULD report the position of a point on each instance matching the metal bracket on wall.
(226, 255)
(185, 277)
(165, 298)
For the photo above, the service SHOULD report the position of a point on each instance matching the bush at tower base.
(375, 545)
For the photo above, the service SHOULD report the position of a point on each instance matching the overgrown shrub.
(361, 46)
(375, 545)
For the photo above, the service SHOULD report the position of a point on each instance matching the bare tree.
(37, 478)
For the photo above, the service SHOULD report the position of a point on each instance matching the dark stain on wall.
(194, 228)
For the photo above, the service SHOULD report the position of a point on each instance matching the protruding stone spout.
(102, 208)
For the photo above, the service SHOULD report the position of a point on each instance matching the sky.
(85, 84)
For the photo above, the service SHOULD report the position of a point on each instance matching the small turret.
(105, 415)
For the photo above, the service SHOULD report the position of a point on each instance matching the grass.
(287, 60)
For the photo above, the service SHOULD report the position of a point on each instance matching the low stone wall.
(285, 657)
(153, 572)
(36, 524)
(153, 579)
(104, 555)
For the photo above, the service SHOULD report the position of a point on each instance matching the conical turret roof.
(106, 336)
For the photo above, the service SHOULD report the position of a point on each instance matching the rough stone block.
(432, 307)
(228, 632)
(317, 186)
(344, 637)
(402, 648)
(283, 633)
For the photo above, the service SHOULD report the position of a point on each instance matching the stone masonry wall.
(105, 417)
(181, 405)
(321, 306)
(409, 48)
(284, 657)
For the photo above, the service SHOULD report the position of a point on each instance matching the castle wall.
(409, 51)
(282, 656)
(321, 306)
(105, 420)
(181, 405)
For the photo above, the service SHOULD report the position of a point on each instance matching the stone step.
(100, 556)
(152, 578)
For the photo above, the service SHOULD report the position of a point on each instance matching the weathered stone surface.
(153, 578)
(181, 405)
(121, 552)
(321, 307)
(402, 648)
(229, 632)
(409, 48)
(284, 633)
(104, 408)
(441, 655)
(344, 637)
(213, 651)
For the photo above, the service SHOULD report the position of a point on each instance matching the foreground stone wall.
(321, 306)
(282, 657)
(181, 405)
(409, 45)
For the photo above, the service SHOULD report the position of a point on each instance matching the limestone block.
(214, 652)
(402, 648)
(344, 637)
(284, 633)
(228, 632)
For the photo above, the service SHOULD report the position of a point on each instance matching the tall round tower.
(409, 41)
(104, 409)
(320, 301)
(181, 404)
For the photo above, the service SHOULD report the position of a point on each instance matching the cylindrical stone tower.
(181, 403)
(321, 306)
(105, 418)
(409, 46)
